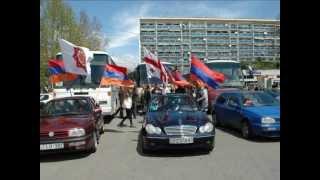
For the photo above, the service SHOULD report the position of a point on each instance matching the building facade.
(173, 39)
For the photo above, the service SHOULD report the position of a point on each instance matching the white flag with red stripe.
(154, 67)
(76, 59)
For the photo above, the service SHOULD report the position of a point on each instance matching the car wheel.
(95, 142)
(210, 148)
(246, 130)
(143, 149)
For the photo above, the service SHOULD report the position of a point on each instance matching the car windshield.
(67, 107)
(273, 93)
(259, 99)
(173, 103)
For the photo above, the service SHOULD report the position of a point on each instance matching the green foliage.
(57, 20)
(260, 63)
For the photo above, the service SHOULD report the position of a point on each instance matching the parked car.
(70, 124)
(174, 121)
(255, 113)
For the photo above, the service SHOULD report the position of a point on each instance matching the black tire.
(95, 144)
(210, 148)
(246, 131)
(143, 149)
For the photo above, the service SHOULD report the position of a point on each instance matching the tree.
(57, 20)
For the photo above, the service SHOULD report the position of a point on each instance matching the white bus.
(139, 75)
(107, 97)
(233, 78)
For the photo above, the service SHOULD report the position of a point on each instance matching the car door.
(97, 113)
(219, 108)
(232, 111)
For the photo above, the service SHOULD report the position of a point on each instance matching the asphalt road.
(118, 157)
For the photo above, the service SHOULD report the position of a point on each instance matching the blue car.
(273, 92)
(173, 121)
(254, 113)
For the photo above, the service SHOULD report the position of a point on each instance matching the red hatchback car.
(70, 124)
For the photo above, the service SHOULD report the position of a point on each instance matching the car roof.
(240, 92)
(171, 94)
(73, 97)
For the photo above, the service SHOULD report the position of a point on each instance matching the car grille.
(57, 135)
(180, 130)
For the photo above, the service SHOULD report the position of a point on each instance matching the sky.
(120, 18)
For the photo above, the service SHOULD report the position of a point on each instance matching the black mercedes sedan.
(174, 121)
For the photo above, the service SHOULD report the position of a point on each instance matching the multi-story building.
(173, 39)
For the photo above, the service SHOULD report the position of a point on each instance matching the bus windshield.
(231, 70)
(97, 66)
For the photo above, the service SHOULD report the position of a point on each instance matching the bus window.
(97, 66)
(230, 69)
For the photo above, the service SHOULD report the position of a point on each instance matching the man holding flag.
(154, 67)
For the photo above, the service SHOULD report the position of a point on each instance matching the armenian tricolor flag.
(58, 73)
(206, 75)
(176, 77)
(115, 75)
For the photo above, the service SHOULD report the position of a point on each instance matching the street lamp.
(206, 45)
(237, 45)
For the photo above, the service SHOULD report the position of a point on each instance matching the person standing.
(120, 109)
(156, 90)
(147, 97)
(127, 105)
(134, 102)
(180, 90)
(203, 99)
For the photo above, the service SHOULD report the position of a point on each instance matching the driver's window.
(221, 100)
(233, 101)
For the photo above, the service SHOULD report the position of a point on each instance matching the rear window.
(67, 107)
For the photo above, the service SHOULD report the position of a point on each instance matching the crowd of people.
(137, 99)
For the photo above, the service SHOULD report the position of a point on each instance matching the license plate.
(182, 140)
(51, 146)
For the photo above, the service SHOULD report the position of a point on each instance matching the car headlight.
(267, 120)
(208, 127)
(76, 132)
(152, 129)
